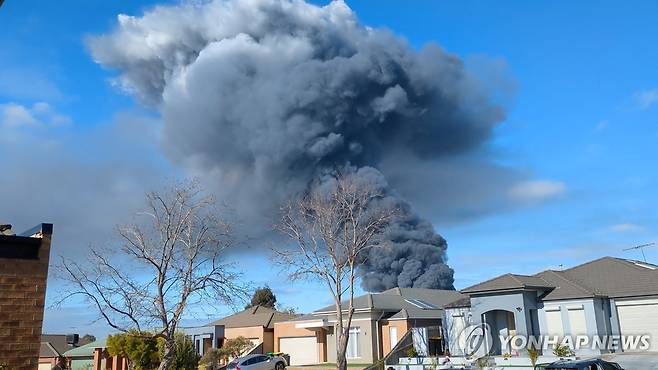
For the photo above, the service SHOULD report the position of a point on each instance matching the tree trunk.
(341, 337)
(341, 350)
(168, 354)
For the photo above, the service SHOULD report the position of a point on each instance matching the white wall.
(454, 322)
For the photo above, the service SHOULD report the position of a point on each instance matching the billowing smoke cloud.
(262, 97)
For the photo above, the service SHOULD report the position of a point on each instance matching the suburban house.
(23, 274)
(93, 356)
(380, 320)
(255, 323)
(54, 346)
(605, 297)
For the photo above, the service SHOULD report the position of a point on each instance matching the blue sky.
(582, 108)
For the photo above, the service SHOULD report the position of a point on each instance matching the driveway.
(635, 361)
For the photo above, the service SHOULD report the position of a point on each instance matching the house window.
(353, 350)
(393, 333)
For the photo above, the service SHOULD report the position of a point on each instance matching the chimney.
(72, 339)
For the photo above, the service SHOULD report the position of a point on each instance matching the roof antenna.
(641, 248)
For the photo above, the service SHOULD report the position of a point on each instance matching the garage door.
(577, 322)
(302, 350)
(554, 321)
(639, 317)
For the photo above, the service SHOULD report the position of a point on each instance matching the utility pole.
(641, 248)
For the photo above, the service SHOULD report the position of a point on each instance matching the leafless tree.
(333, 228)
(169, 258)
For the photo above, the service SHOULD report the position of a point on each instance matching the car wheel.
(280, 366)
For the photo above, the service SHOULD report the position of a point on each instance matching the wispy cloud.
(626, 227)
(537, 190)
(645, 99)
(14, 115)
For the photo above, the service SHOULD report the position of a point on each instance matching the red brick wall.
(22, 298)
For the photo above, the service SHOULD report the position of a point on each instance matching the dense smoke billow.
(266, 96)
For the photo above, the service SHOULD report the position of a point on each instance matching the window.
(353, 350)
(422, 304)
(260, 359)
(393, 332)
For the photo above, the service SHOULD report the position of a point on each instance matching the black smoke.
(262, 97)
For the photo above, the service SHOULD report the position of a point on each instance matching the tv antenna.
(641, 248)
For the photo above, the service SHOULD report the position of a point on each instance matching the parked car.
(258, 362)
(591, 364)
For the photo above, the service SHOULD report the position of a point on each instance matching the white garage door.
(639, 317)
(554, 321)
(577, 322)
(302, 350)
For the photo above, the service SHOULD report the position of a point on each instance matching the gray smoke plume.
(262, 97)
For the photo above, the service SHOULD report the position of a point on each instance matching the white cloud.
(626, 227)
(537, 190)
(14, 115)
(645, 99)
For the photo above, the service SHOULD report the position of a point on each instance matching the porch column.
(97, 358)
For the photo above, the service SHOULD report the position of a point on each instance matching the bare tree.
(333, 228)
(170, 258)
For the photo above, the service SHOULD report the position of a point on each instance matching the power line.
(641, 248)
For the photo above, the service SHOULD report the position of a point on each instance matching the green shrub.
(411, 352)
(140, 348)
(562, 351)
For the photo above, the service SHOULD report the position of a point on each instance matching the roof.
(87, 350)
(254, 316)
(462, 302)
(604, 277)
(509, 282)
(58, 341)
(398, 301)
(47, 350)
(610, 277)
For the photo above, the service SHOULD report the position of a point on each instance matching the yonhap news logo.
(477, 340)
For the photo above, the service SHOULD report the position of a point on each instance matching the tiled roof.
(395, 300)
(57, 341)
(463, 302)
(47, 350)
(565, 288)
(509, 282)
(254, 316)
(616, 277)
(605, 277)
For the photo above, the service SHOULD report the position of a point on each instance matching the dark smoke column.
(263, 98)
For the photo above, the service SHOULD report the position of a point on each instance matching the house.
(380, 321)
(54, 346)
(93, 356)
(255, 323)
(606, 297)
(23, 274)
